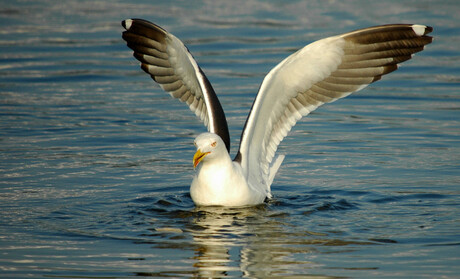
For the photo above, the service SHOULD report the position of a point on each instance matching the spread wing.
(170, 64)
(319, 73)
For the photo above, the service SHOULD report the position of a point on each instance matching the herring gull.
(319, 73)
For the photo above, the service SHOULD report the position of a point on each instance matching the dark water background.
(95, 159)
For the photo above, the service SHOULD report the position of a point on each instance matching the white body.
(223, 184)
(219, 180)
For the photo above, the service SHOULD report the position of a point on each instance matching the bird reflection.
(219, 234)
(246, 242)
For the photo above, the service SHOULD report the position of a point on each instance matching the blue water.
(95, 159)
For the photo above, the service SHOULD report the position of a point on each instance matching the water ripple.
(95, 159)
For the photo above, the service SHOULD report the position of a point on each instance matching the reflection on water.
(265, 248)
(217, 232)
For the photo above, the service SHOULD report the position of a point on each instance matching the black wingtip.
(428, 30)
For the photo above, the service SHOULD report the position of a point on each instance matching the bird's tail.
(274, 166)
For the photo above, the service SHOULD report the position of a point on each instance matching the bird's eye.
(214, 144)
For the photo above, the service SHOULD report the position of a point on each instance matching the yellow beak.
(198, 157)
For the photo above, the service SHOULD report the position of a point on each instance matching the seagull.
(319, 73)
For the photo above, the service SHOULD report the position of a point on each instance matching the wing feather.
(319, 73)
(167, 60)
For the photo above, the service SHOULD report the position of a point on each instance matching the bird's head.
(208, 146)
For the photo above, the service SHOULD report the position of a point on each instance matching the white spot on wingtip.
(128, 23)
(419, 29)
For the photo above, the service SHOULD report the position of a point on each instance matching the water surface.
(95, 159)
